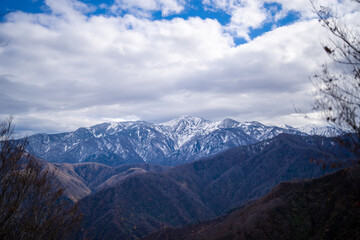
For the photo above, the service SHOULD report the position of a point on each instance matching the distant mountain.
(172, 143)
(321, 131)
(144, 203)
(323, 208)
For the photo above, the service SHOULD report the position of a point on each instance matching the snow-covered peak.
(178, 140)
(184, 128)
(106, 129)
(185, 120)
(327, 131)
(253, 126)
(286, 126)
(228, 123)
(253, 123)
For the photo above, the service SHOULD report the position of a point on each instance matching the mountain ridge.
(320, 208)
(171, 143)
(206, 188)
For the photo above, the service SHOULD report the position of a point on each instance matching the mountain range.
(132, 179)
(132, 201)
(172, 143)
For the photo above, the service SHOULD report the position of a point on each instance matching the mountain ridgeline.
(133, 206)
(172, 143)
(132, 199)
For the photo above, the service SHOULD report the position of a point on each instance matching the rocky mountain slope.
(172, 143)
(144, 203)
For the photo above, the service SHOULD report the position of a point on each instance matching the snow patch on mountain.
(326, 131)
(177, 141)
(185, 128)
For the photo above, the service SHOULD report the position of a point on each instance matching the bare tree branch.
(32, 205)
(338, 86)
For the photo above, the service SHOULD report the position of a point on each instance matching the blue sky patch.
(191, 9)
(197, 11)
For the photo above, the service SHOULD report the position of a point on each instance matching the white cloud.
(62, 71)
(244, 14)
(304, 7)
(69, 8)
(252, 14)
(145, 7)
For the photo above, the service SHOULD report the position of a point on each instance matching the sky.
(66, 64)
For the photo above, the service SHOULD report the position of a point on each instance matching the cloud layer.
(69, 68)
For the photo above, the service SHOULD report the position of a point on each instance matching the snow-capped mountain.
(262, 132)
(177, 141)
(185, 128)
(327, 131)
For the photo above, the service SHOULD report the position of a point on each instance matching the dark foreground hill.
(323, 208)
(141, 204)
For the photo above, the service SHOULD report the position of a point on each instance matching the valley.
(131, 201)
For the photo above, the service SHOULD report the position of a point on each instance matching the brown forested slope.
(323, 208)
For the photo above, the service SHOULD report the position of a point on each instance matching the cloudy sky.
(65, 64)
